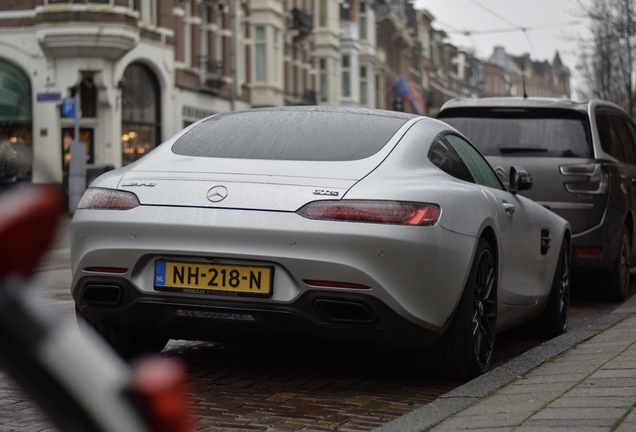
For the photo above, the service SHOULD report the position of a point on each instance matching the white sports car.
(345, 223)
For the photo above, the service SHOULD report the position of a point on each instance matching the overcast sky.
(480, 25)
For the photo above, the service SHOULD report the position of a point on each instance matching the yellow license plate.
(201, 278)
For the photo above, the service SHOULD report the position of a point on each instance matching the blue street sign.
(49, 97)
(69, 107)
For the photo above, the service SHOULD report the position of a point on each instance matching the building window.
(88, 96)
(324, 80)
(141, 109)
(322, 15)
(260, 50)
(85, 1)
(345, 66)
(299, 84)
(345, 10)
(290, 77)
(277, 55)
(218, 38)
(379, 94)
(363, 21)
(147, 10)
(211, 48)
(187, 33)
(364, 86)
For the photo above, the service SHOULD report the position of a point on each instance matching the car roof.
(529, 102)
(342, 110)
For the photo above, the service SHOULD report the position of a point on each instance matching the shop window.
(15, 115)
(140, 113)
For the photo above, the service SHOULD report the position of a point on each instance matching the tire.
(554, 319)
(128, 344)
(618, 278)
(465, 349)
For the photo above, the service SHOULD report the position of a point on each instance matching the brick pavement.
(583, 380)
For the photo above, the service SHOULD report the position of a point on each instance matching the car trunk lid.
(240, 184)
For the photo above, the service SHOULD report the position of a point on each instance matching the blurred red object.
(160, 385)
(28, 223)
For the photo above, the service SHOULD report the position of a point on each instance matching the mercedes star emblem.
(217, 193)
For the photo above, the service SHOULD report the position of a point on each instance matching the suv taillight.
(593, 178)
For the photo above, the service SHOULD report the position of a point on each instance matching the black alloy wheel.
(484, 310)
(465, 350)
(554, 319)
(618, 281)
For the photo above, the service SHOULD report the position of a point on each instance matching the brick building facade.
(145, 69)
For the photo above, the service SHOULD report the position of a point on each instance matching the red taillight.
(28, 222)
(594, 179)
(382, 212)
(159, 384)
(588, 251)
(333, 284)
(107, 199)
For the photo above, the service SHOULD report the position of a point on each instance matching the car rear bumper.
(596, 234)
(596, 249)
(417, 272)
(332, 315)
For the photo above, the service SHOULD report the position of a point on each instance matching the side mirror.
(520, 179)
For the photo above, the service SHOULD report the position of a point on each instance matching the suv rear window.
(549, 133)
(316, 135)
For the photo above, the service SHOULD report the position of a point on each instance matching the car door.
(625, 133)
(520, 232)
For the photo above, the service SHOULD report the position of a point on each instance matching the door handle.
(509, 208)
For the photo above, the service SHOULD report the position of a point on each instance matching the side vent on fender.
(545, 241)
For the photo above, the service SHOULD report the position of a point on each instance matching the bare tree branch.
(608, 63)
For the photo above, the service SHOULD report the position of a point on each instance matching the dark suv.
(582, 157)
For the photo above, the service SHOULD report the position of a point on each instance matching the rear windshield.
(304, 135)
(524, 133)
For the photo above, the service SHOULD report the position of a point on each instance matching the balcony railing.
(212, 76)
(302, 22)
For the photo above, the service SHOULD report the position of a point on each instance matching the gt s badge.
(325, 192)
